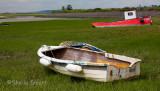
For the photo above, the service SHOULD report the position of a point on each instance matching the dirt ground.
(32, 18)
(64, 16)
(112, 14)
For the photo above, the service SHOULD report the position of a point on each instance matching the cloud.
(18, 5)
(36, 5)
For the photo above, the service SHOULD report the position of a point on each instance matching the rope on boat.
(58, 65)
(52, 54)
(81, 45)
(77, 64)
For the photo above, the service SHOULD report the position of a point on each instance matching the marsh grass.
(20, 41)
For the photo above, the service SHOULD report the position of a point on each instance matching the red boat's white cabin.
(130, 15)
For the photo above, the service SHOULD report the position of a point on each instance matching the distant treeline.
(109, 9)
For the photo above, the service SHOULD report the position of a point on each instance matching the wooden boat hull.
(130, 22)
(110, 74)
(90, 70)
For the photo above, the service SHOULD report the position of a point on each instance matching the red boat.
(130, 22)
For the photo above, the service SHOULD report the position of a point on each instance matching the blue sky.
(36, 5)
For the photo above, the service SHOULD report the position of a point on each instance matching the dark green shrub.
(157, 9)
(97, 9)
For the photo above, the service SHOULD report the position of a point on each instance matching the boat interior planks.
(85, 56)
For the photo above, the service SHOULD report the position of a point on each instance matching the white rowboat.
(89, 64)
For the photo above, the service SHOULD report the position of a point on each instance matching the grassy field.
(20, 67)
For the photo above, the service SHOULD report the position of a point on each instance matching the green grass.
(20, 41)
